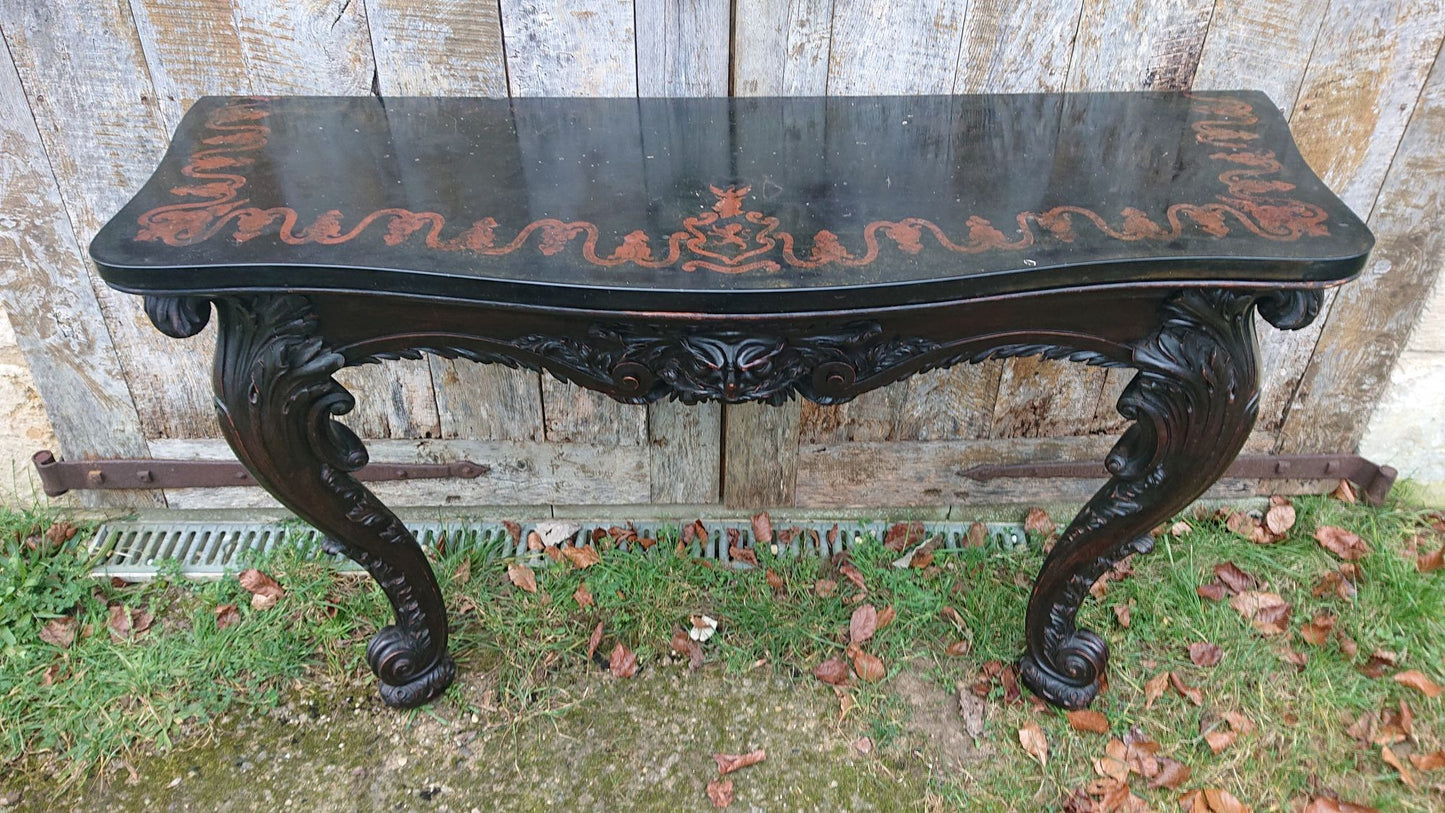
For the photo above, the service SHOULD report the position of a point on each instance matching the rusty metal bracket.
(1374, 480)
(58, 477)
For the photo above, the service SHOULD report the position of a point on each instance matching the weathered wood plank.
(896, 46)
(487, 401)
(437, 48)
(1013, 47)
(319, 46)
(191, 48)
(781, 49)
(682, 47)
(46, 292)
(575, 49)
(1260, 45)
(682, 50)
(761, 455)
(1041, 399)
(1138, 44)
(87, 84)
(1266, 45)
(1372, 316)
(519, 473)
(901, 473)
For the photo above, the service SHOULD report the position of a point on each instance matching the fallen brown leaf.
(869, 667)
(51, 675)
(727, 763)
(1345, 492)
(1266, 611)
(977, 535)
(1296, 659)
(522, 576)
(1394, 762)
(1238, 722)
(59, 631)
(762, 529)
(1416, 680)
(1248, 527)
(824, 588)
(1172, 774)
(1192, 694)
(258, 583)
(1154, 688)
(1235, 578)
(852, 574)
(957, 649)
(1089, 720)
(227, 616)
(1433, 761)
(1204, 653)
(720, 792)
(1037, 521)
(775, 582)
(1379, 662)
(745, 555)
(902, 534)
(1213, 800)
(582, 595)
(534, 541)
(1123, 614)
(514, 530)
(863, 745)
(1431, 562)
(581, 557)
(1031, 737)
(1280, 517)
(886, 616)
(1324, 804)
(120, 622)
(1317, 630)
(1214, 591)
(594, 641)
(683, 644)
(863, 623)
(1219, 740)
(832, 671)
(1342, 543)
(623, 663)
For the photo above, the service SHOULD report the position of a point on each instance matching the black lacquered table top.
(729, 205)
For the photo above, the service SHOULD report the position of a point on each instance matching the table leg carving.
(1193, 403)
(277, 401)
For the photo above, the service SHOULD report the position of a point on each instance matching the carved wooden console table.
(735, 250)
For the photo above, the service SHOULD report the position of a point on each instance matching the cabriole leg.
(277, 400)
(1193, 404)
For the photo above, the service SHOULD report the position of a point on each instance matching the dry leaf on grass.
(1204, 653)
(1172, 774)
(1345, 492)
(863, 745)
(1342, 543)
(1266, 611)
(852, 574)
(1432, 761)
(582, 595)
(1317, 630)
(522, 576)
(1235, 578)
(1191, 693)
(623, 663)
(720, 792)
(762, 529)
(59, 632)
(744, 555)
(683, 644)
(1431, 562)
(1037, 522)
(1394, 762)
(1324, 804)
(1417, 680)
(832, 671)
(227, 616)
(825, 588)
(594, 641)
(886, 616)
(259, 584)
(727, 763)
(1124, 613)
(1031, 737)
(1212, 800)
(902, 534)
(957, 649)
(581, 557)
(863, 624)
(1379, 662)
(1154, 688)
(1089, 720)
(869, 668)
(1280, 516)
(775, 582)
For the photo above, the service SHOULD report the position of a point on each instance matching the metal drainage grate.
(138, 551)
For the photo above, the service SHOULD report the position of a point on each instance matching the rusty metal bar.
(58, 477)
(1374, 480)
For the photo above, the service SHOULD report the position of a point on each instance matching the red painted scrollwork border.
(728, 238)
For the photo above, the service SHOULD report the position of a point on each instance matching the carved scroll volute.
(179, 317)
(277, 403)
(1193, 403)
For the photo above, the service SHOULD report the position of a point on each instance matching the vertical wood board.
(437, 47)
(781, 49)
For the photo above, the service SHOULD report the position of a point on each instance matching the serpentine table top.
(735, 250)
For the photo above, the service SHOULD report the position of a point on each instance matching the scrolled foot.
(1071, 676)
(409, 677)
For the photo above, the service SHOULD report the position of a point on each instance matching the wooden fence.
(91, 89)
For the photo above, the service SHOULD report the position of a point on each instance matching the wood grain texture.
(1013, 47)
(685, 447)
(1369, 63)
(518, 473)
(308, 46)
(57, 320)
(929, 474)
(437, 48)
(87, 84)
(682, 47)
(1138, 44)
(192, 48)
(894, 46)
(575, 49)
(781, 49)
(487, 401)
(760, 455)
(1260, 45)
(557, 48)
(1372, 316)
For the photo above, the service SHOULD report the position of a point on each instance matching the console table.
(734, 250)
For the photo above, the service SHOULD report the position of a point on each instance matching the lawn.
(1263, 673)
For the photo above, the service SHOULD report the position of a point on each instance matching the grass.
(110, 698)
